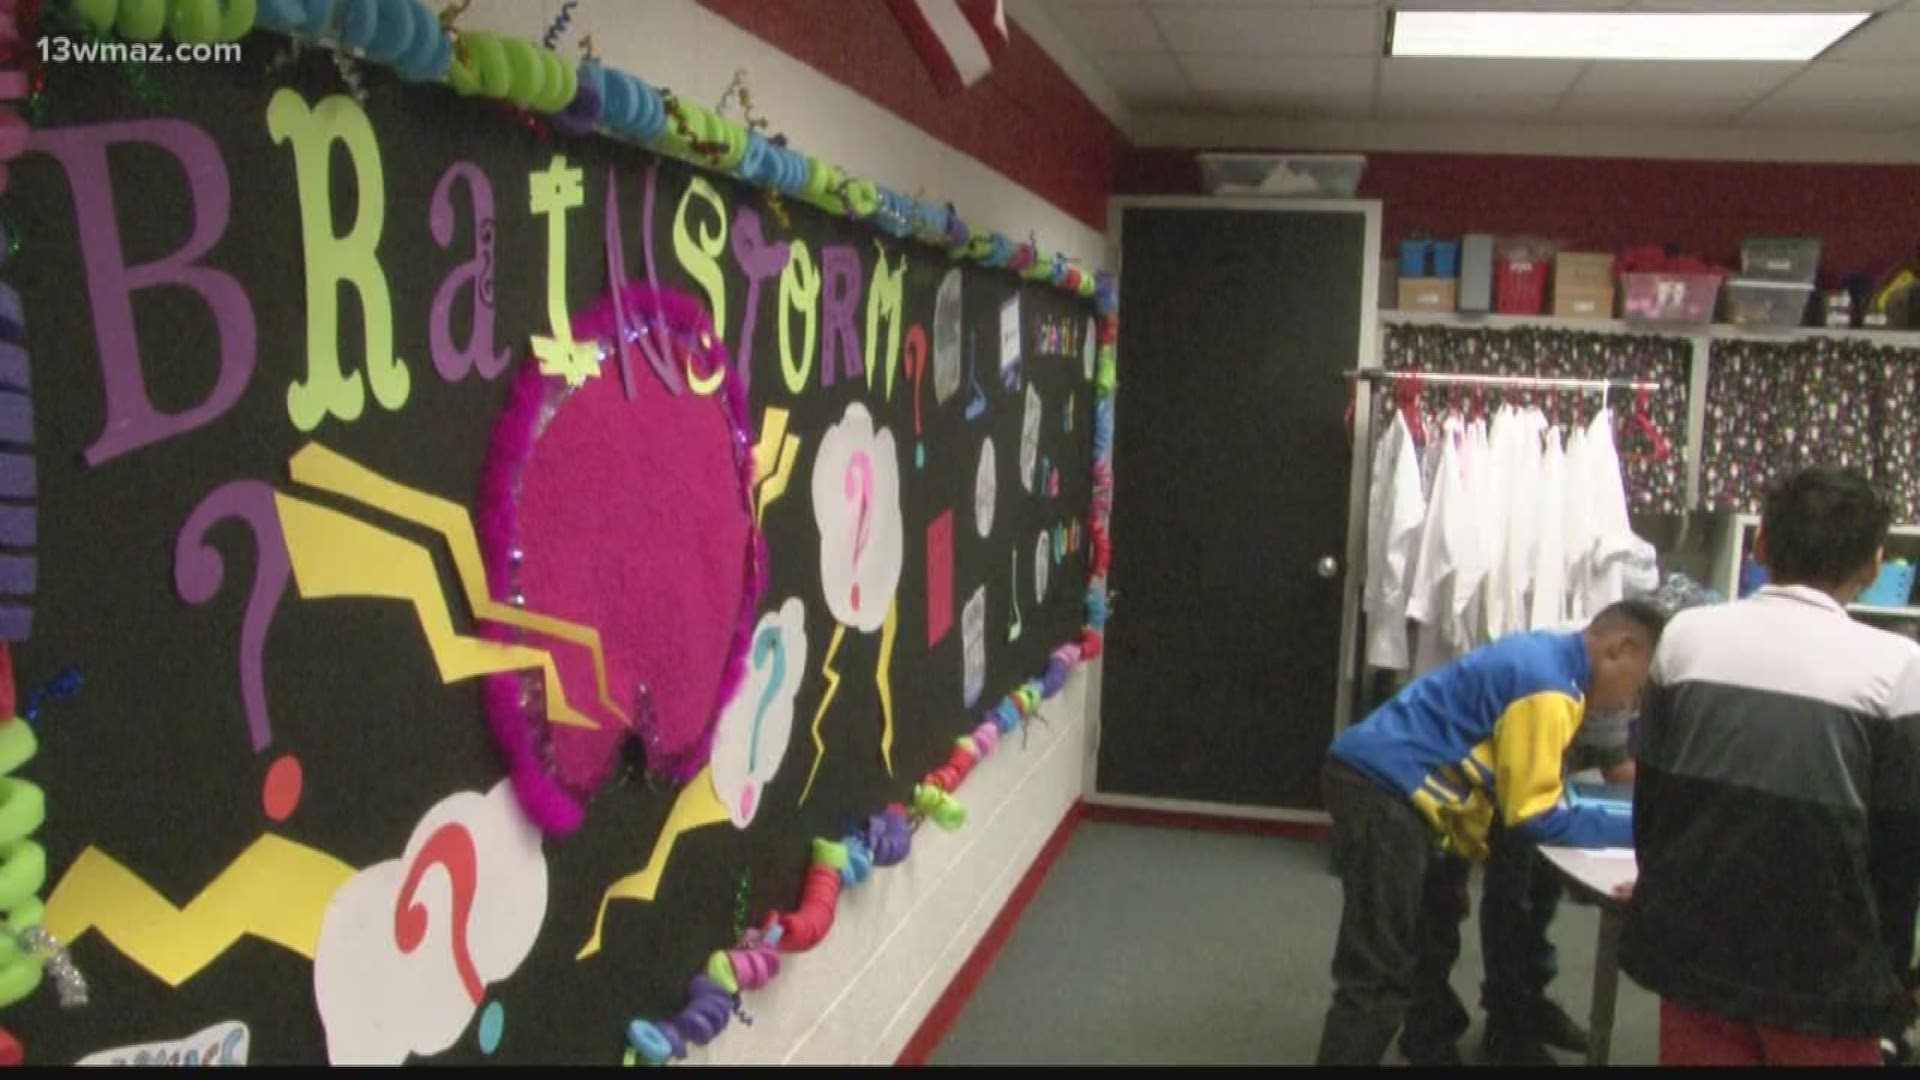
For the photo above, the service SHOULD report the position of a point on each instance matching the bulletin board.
(468, 564)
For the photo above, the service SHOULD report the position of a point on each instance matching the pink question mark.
(861, 489)
(450, 848)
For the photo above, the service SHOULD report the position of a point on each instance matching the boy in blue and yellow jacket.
(1428, 770)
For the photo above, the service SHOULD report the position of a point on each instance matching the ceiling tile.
(1511, 5)
(1840, 80)
(1893, 36)
(1097, 27)
(1466, 107)
(1291, 76)
(1812, 6)
(1268, 30)
(1682, 80)
(1651, 110)
(1833, 115)
(1424, 77)
(1143, 78)
(1292, 105)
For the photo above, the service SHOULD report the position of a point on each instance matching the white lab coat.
(1577, 540)
(1512, 573)
(1396, 508)
(1548, 607)
(1429, 598)
(1617, 561)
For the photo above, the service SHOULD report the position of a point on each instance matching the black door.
(1232, 472)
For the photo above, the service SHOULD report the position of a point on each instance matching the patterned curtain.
(1774, 406)
(1653, 486)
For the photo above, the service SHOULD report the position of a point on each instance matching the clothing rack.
(1441, 378)
(1444, 377)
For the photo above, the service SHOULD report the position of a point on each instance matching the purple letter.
(450, 361)
(839, 296)
(759, 260)
(132, 421)
(197, 570)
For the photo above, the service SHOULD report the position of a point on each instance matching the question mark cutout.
(916, 362)
(859, 488)
(450, 848)
(769, 648)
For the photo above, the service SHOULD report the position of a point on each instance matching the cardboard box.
(1582, 270)
(1583, 303)
(1429, 294)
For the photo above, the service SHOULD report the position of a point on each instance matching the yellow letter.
(799, 291)
(886, 299)
(553, 193)
(333, 259)
(700, 256)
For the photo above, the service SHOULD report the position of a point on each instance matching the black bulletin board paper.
(151, 761)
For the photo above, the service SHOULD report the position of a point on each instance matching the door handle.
(1328, 567)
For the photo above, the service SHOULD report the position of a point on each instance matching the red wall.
(1868, 215)
(1027, 120)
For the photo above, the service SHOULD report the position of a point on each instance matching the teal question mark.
(770, 643)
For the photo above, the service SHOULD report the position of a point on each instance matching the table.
(1594, 875)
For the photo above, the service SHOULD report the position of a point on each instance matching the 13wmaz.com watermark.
(62, 50)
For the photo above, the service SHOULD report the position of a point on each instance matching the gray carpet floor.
(1156, 946)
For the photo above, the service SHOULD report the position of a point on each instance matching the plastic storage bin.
(1892, 588)
(1793, 259)
(1767, 305)
(1446, 258)
(1326, 176)
(1681, 299)
(1413, 257)
(1520, 283)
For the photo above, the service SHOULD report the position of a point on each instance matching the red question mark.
(450, 848)
(916, 361)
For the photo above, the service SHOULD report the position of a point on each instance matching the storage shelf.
(1885, 612)
(1721, 331)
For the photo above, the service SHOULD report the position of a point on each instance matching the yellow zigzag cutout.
(826, 699)
(334, 555)
(277, 890)
(773, 460)
(883, 678)
(317, 466)
(696, 807)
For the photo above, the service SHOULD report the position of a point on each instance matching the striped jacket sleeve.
(1529, 746)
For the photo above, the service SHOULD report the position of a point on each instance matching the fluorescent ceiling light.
(1618, 35)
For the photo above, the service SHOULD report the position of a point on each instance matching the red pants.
(1691, 1037)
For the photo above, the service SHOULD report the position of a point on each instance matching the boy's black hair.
(1648, 616)
(1822, 526)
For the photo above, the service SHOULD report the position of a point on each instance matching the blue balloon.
(392, 32)
(360, 21)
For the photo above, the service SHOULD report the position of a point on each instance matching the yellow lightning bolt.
(883, 678)
(277, 890)
(696, 807)
(773, 460)
(826, 699)
(317, 466)
(334, 555)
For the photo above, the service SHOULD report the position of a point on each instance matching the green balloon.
(490, 61)
(238, 19)
(195, 21)
(141, 20)
(562, 81)
(96, 15)
(526, 75)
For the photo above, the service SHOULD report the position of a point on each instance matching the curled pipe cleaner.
(557, 28)
(64, 684)
(939, 807)
(890, 836)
